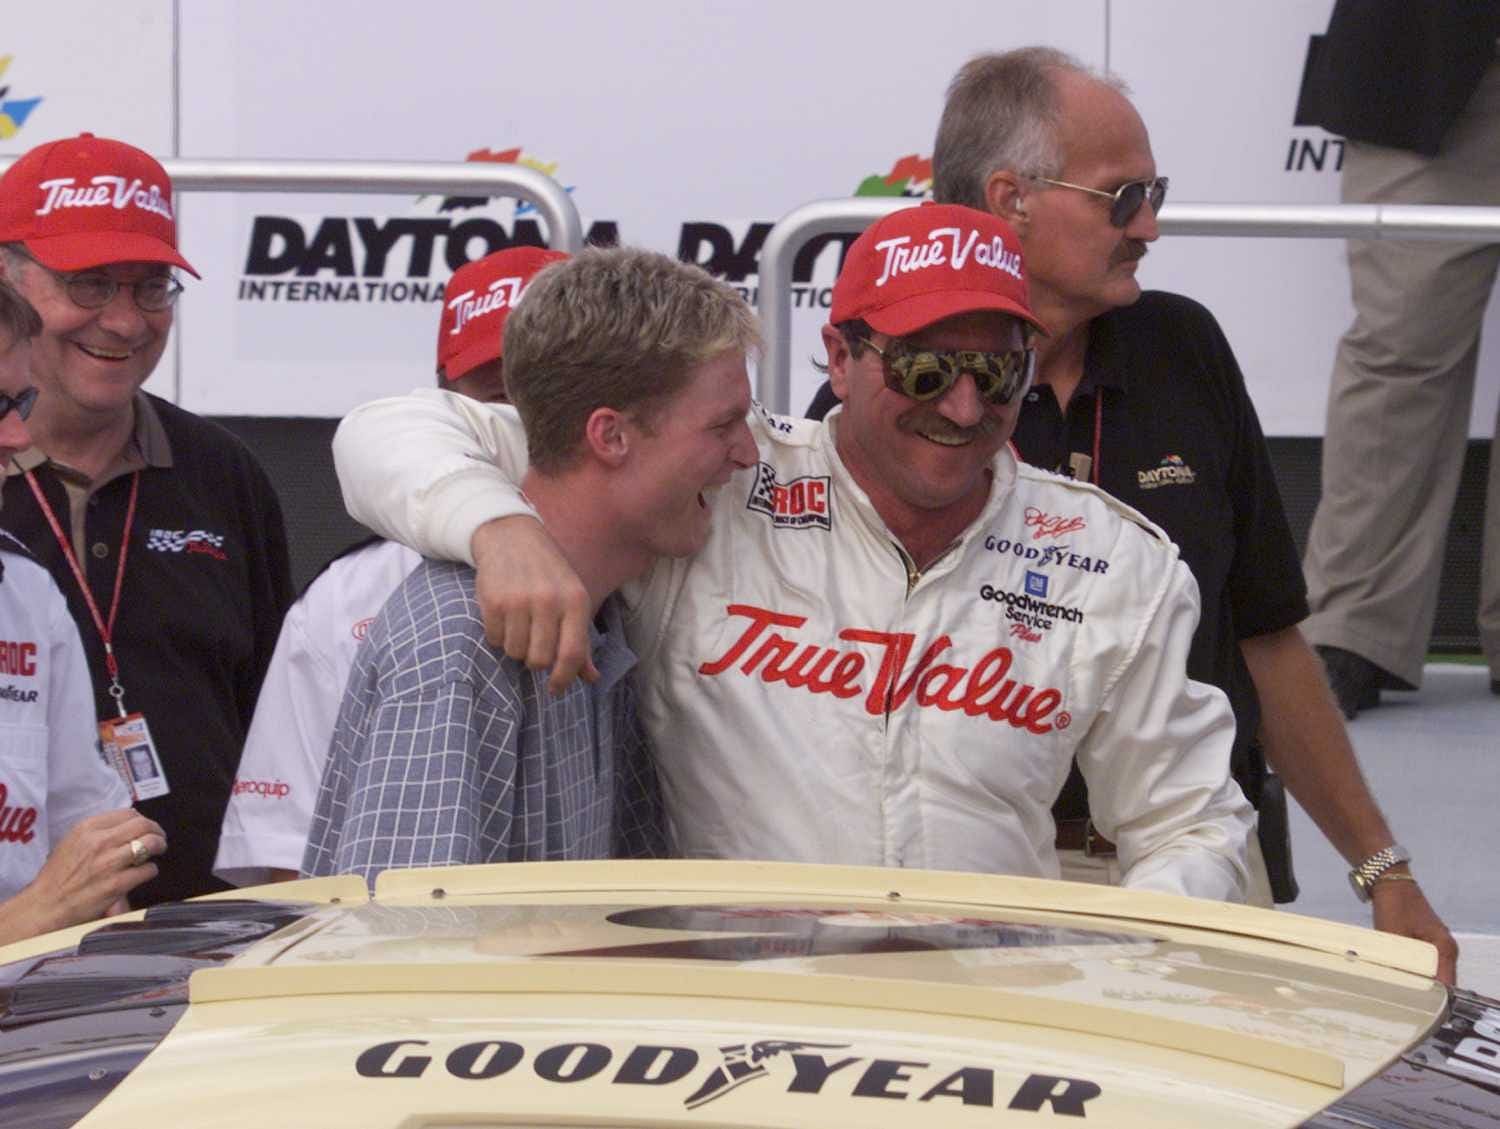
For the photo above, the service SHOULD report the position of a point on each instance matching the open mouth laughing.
(102, 354)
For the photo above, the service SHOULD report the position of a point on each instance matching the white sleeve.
(429, 468)
(80, 782)
(270, 805)
(1157, 765)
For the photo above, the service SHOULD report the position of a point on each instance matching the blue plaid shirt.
(446, 752)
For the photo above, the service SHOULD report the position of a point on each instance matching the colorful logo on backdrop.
(731, 251)
(911, 175)
(13, 111)
(500, 157)
(357, 260)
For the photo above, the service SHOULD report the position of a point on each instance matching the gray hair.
(1002, 113)
(615, 327)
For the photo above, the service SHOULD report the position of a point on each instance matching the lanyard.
(106, 630)
(1092, 474)
(1098, 430)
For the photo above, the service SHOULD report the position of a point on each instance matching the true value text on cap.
(945, 245)
(104, 191)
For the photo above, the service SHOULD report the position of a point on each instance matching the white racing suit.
(810, 697)
(51, 772)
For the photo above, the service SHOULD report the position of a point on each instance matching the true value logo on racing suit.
(983, 690)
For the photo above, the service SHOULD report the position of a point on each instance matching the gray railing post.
(450, 178)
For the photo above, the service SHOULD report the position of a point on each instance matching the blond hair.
(619, 328)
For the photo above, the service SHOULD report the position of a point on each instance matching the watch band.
(1364, 876)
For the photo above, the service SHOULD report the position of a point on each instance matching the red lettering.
(848, 668)
(817, 496)
(17, 658)
(941, 644)
(1046, 525)
(984, 691)
(15, 823)
(897, 647)
(760, 619)
(773, 648)
(778, 499)
(806, 669)
(1040, 708)
(983, 679)
(937, 687)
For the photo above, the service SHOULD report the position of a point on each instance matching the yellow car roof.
(760, 994)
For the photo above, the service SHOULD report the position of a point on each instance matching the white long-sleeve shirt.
(271, 804)
(51, 773)
(808, 699)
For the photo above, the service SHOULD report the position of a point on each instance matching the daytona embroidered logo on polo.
(185, 541)
(1172, 471)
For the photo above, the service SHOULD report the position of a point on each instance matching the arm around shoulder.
(430, 467)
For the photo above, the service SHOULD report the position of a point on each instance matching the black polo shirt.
(1179, 440)
(206, 583)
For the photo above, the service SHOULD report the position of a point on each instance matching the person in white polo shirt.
(271, 803)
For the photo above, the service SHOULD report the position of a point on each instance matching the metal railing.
(450, 178)
(1316, 221)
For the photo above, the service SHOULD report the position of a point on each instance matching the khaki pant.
(1105, 871)
(1399, 405)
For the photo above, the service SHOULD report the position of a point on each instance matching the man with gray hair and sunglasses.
(853, 667)
(1139, 393)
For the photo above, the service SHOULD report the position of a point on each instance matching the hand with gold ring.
(87, 875)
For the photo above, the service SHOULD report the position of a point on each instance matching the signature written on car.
(801, 1067)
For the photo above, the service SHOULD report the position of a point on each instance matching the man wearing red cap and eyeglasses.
(271, 805)
(71, 847)
(161, 530)
(869, 661)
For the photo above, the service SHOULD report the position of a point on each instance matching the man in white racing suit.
(896, 636)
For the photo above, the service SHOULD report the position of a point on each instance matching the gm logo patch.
(800, 503)
(1036, 584)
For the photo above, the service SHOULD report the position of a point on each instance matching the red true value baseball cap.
(88, 202)
(930, 262)
(476, 302)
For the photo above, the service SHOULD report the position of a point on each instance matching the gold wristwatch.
(1364, 876)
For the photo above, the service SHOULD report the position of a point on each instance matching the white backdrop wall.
(684, 127)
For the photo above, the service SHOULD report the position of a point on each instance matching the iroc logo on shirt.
(1036, 584)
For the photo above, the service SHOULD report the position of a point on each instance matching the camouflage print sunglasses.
(925, 374)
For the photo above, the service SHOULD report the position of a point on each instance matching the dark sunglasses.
(1126, 200)
(925, 374)
(21, 403)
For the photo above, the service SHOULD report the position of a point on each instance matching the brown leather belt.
(1082, 835)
